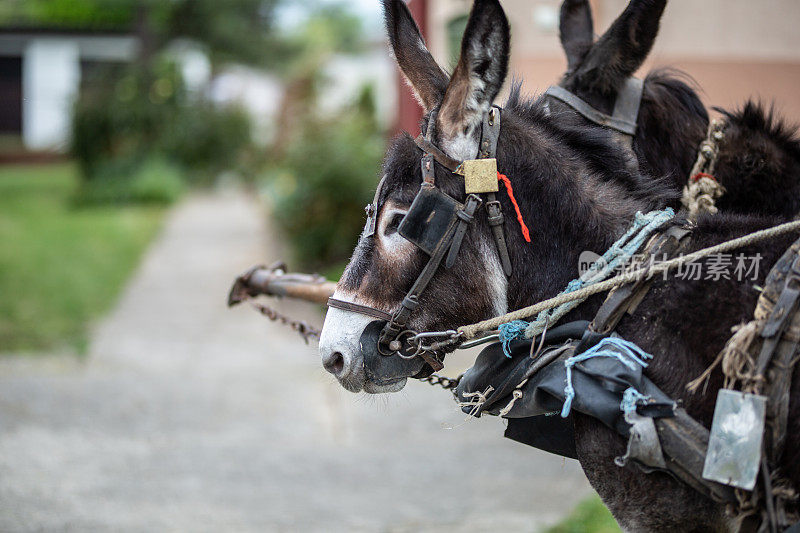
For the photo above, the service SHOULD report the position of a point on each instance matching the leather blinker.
(429, 219)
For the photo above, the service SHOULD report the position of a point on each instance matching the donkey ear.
(623, 48)
(478, 77)
(424, 75)
(577, 30)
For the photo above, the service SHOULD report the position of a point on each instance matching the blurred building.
(735, 49)
(40, 76)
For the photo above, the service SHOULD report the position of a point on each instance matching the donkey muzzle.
(384, 369)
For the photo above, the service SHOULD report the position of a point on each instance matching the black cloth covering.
(535, 417)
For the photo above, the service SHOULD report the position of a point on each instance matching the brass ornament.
(480, 176)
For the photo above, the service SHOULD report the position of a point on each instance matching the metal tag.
(480, 176)
(429, 219)
(734, 448)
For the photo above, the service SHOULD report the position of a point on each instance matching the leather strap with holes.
(360, 309)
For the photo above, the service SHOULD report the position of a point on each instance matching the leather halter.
(447, 247)
(623, 122)
(626, 108)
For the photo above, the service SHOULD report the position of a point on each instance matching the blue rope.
(630, 399)
(615, 257)
(623, 351)
(511, 331)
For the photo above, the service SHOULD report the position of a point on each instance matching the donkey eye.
(394, 223)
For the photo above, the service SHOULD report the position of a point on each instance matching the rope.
(617, 255)
(473, 330)
(507, 182)
(703, 190)
(511, 331)
(701, 194)
(702, 175)
(630, 399)
(475, 400)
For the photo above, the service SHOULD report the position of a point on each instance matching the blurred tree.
(326, 166)
(330, 28)
(241, 31)
(97, 15)
(327, 175)
(141, 112)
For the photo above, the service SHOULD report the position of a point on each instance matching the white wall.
(50, 83)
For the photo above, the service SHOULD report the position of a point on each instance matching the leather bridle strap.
(490, 135)
(411, 301)
(466, 217)
(626, 108)
(442, 158)
(360, 309)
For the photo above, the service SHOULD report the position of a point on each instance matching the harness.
(623, 120)
(437, 223)
(602, 381)
(726, 466)
(626, 108)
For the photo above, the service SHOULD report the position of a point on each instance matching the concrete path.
(190, 417)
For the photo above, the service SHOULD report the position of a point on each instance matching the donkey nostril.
(335, 364)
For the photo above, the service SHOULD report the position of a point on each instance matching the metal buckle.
(372, 211)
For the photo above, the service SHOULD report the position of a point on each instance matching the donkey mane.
(595, 145)
(670, 105)
(759, 163)
(762, 117)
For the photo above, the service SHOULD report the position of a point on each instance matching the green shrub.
(207, 140)
(118, 121)
(146, 116)
(327, 176)
(153, 181)
(589, 516)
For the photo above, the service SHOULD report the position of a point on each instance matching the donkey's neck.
(575, 196)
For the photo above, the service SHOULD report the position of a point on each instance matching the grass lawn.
(590, 516)
(61, 267)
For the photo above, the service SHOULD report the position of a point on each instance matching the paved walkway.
(190, 417)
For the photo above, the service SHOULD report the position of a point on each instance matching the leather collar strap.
(360, 309)
(626, 108)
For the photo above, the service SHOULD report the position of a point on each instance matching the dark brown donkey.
(576, 193)
(759, 161)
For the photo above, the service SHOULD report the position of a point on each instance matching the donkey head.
(384, 265)
(672, 120)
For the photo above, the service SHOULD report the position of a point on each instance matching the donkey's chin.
(357, 381)
(384, 388)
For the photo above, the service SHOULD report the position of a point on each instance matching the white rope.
(475, 400)
(473, 330)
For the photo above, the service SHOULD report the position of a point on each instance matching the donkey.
(576, 193)
(759, 162)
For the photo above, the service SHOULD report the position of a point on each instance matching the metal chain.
(435, 380)
(306, 330)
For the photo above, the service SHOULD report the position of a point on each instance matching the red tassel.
(507, 183)
(699, 175)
